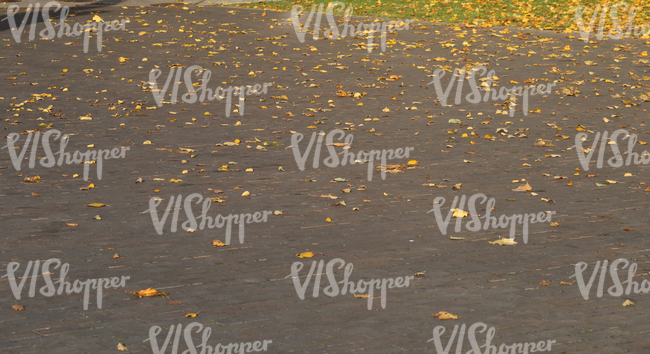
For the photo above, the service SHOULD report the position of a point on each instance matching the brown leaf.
(544, 283)
(217, 243)
(147, 293)
(36, 195)
(18, 307)
(116, 256)
(628, 229)
(71, 224)
(565, 283)
(525, 188)
(175, 302)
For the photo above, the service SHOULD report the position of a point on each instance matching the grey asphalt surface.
(242, 291)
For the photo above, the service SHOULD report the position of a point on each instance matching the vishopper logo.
(50, 290)
(97, 25)
(348, 157)
(490, 221)
(617, 31)
(332, 290)
(615, 290)
(203, 91)
(525, 348)
(493, 94)
(231, 348)
(616, 160)
(87, 158)
(192, 224)
(348, 30)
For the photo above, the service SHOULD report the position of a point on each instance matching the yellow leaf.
(175, 180)
(442, 315)
(150, 292)
(328, 220)
(191, 315)
(580, 128)
(121, 347)
(413, 163)
(147, 142)
(459, 213)
(503, 242)
(305, 255)
(97, 19)
(524, 188)
(246, 194)
(217, 243)
(628, 303)
(96, 205)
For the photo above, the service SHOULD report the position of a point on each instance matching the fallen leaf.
(191, 315)
(442, 315)
(96, 205)
(36, 195)
(628, 229)
(277, 212)
(544, 283)
(628, 303)
(217, 243)
(18, 307)
(420, 274)
(116, 256)
(71, 224)
(459, 213)
(565, 283)
(305, 255)
(524, 188)
(175, 302)
(328, 220)
(503, 242)
(150, 292)
(121, 347)
(246, 194)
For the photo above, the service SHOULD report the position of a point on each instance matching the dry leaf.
(96, 205)
(18, 307)
(442, 315)
(628, 303)
(328, 220)
(217, 243)
(191, 315)
(553, 223)
(565, 283)
(459, 213)
(175, 302)
(121, 347)
(525, 188)
(147, 293)
(71, 224)
(246, 194)
(305, 255)
(116, 256)
(544, 283)
(420, 274)
(36, 195)
(504, 242)
(628, 229)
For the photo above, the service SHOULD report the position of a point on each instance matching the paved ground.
(240, 291)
